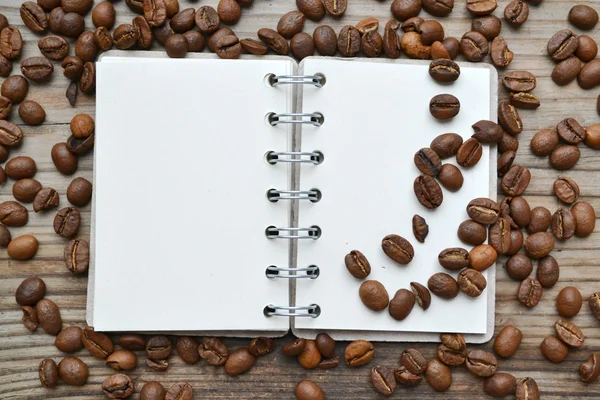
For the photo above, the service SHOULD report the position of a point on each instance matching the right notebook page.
(376, 118)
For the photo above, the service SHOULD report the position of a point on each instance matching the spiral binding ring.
(274, 157)
(315, 118)
(312, 311)
(317, 80)
(273, 232)
(312, 272)
(274, 195)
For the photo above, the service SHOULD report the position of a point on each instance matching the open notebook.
(190, 157)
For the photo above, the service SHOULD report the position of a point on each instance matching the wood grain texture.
(274, 376)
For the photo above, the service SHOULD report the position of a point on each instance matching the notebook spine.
(313, 195)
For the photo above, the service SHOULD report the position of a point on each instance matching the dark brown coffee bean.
(438, 8)
(530, 292)
(413, 46)
(481, 363)
(47, 5)
(405, 9)
(30, 291)
(302, 45)
(325, 40)
(104, 15)
(383, 380)
(357, 264)
(422, 295)
(443, 285)
(563, 224)
(54, 19)
(69, 340)
(483, 210)
(564, 157)
(489, 25)
(444, 106)
(398, 249)
(143, 29)
(125, 36)
(118, 386)
(406, 378)
(207, 19)
(566, 71)
(173, 6)
(71, 93)
(274, 40)
(213, 351)
(325, 344)
(589, 370)
(64, 161)
(569, 333)
(372, 44)
(428, 162)
(11, 42)
(290, 24)
(132, 341)
(509, 118)
(20, 167)
(187, 348)
(5, 107)
(469, 153)
(454, 258)
(308, 390)
(81, 7)
(229, 11)
(73, 67)
(48, 372)
(570, 131)
(183, 21)
(25, 190)
(420, 228)
(29, 318)
(359, 352)
(197, 42)
(482, 257)
(85, 47)
(414, 361)
(313, 9)
(438, 375)
(481, 7)
(585, 218)
(72, 25)
(401, 304)
(155, 12)
(516, 12)
(501, 55)
(34, 17)
(569, 301)
(227, 47)
(446, 145)
(125, 360)
(431, 31)
(98, 344)
(541, 219)
(239, 361)
(505, 162)
(428, 191)
(544, 142)
(453, 350)
(328, 363)
(516, 180)
(500, 384)
(471, 282)
(487, 131)
(519, 81)
(472, 233)
(499, 236)
(587, 48)
(547, 271)
(260, 346)
(391, 39)
(77, 256)
(474, 46)
(294, 348)
(336, 8)
(15, 88)
(159, 348)
(177, 46)
(508, 341)
(539, 245)
(32, 113)
(562, 44)
(519, 267)
(13, 214)
(49, 316)
(444, 70)
(54, 47)
(566, 189)
(349, 41)
(162, 33)
(527, 389)
(67, 221)
(583, 16)
(152, 391)
(87, 82)
(373, 295)
(526, 101)
(157, 365)
(79, 192)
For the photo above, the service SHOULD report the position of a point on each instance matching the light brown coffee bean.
(213, 350)
(49, 316)
(587, 49)
(585, 218)
(501, 384)
(481, 363)
(539, 245)
(98, 344)
(32, 113)
(124, 360)
(374, 295)
(310, 356)
(569, 301)
(401, 304)
(443, 285)
(398, 249)
(471, 282)
(469, 153)
(406, 378)
(414, 361)
(569, 333)
(544, 142)
(22, 247)
(438, 375)
(527, 389)
(69, 340)
(382, 379)
(359, 352)
(590, 368)
(132, 341)
(509, 118)
(583, 16)
(414, 47)
(25, 190)
(530, 292)
(508, 341)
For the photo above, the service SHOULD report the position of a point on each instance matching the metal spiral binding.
(312, 311)
(311, 272)
(273, 232)
(315, 118)
(314, 157)
(317, 80)
(274, 195)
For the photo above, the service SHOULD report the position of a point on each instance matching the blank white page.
(180, 195)
(376, 118)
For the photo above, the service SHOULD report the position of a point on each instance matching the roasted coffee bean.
(373, 295)
(444, 106)
(452, 46)
(143, 29)
(213, 350)
(183, 21)
(82, 126)
(438, 375)
(64, 161)
(516, 12)
(422, 295)
(177, 46)
(104, 15)
(73, 67)
(155, 12)
(474, 46)
(428, 192)
(413, 46)
(508, 341)
(398, 249)
(569, 333)
(152, 391)
(69, 340)
(487, 131)
(372, 44)
(25, 190)
(570, 131)
(563, 224)
(453, 350)
(569, 301)
(526, 101)
(359, 352)
(173, 6)
(29, 318)
(336, 8)
(438, 8)
(302, 45)
(481, 363)
(274, 40)
(157, 365)
(118, 386)
(49, 316)
(383, 380)
(32, 113)
(566, 190)
(81, 7)
(310, 357)
(509, 118)
(22, 247)
(5, 107)
(540, 220)
(207, 19)
(501, 55)
(132, 341)
(469, 153)
(505, 162)
(125, 360)
(420, 228)
(566, 71)
(482, 257)
(308, 390)
(85, 47)
(260, 346)
(47, 5)
(159, 348)
(585, 218)
(519, 267)
(530, 292)
(471, 282)
(428, 162)
(414, 361)
(197, 42)
(67, 221)
(401, 304)
(446, 145)
(328, 363)
(431, 31)
(527, 389)
(519, 81)
(520, 211)
(500, 384)
(587, 48)
(405, 9)
(564, 157)
(406, 378)
(137, 6)
(583, 17)
(539, 245)
(590, 368)
(516, 180)
(325, 344)
(98, 344)
(357, 264)
(313, 9)
(71, 93)
(71, 25)
(443, 70)
(30, 291)
(562, 44)
(547, 271)
(367, 25)
(439, 51)
(443, 285)
(472, 233)
(391, 39)
(290, 24)
(454, 258)
(489, 25)
(77, 256)
(229, 11)
(294, 348)
(54, 47)
(20, 167)
(48, 373)
(15, 88)
(55, 18)
(499, 235)
(80, 146)
(125, 36)
(349, 41)
(481, 7)
(11, 42)
(13, 214)
(87, 82)
(483, 210)
(325, 40)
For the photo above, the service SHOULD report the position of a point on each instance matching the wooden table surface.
(274, 376)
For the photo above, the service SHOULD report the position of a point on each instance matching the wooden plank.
(274, 376)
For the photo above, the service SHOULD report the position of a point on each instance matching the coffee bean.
(207, 19)
(422, 295)
(30, 291)
(357, 264)
(20, 167)
(132, 341)
(481, 363)
(540, 220)
(213, 350)
(501, 55)
(563, 224)
(22, 247)
(487, 131)
(77, 256)
(564, 157)
(87, 82)
(5, 107)
(516, 12)
(438, 375)
(183, 21)
(64, 161)
(520, 211)
(428, 191)
(290, 24)
(444, 70)
(530, 292)
(86, 48)
(443, 285)
(54, 47)
(431, 31)
(519, 81)
(474, 46)
(472, 233)
(583, 16)
(414, 361)
(406, 378)
(454, 258)
(373, 295)
(118, 386)
(29, 318)
(325, 344)
(69, 340)
(566, 71)
(308, 390)
(71, 25)
(372, 44)
(125, 360)
(173, 6)
(585, 218)
(197, 42)
(155, 12)
(592, 137)
(229, 11)
(294, 348)
(260, 346)
(359, 352)
(413, 46)
(562, 44)
(383, 380)
(553, 349)
(509, 118)
(469, 153)
(367, 25)
(444, 106)
(446, 145)
(428, 162)
(325, 40)
(539, 245)
(49, 316)
(569, 333)
(73, 67)
(125, 36)
(483, 210)
(15, 88)
(589, 370)
(481, 7)
(157, 365)
(310, 356)
(177, 46)
(328, 363)
(526, 101)
(519, 266)
(13, 214)
(55, 18)
(80, 146)
(104, 15)
(516, 180)
(438, 8)
(32, 113)
(401, 304)
(274, 40)
(547, 271)
(336, 8)
(67, 221)
(137, 6)
(405, 9)
(570, 131)
(569, 301)
(48, 372)
(420, 228)
(527, 389)
(499, 236)
(471, 282)
(500, 384)
(398, 249)
(152, 391)
(11, 42)
(349, 41)
(482, 257)
(145, 35)
(81, 7)
(508, 341)
(488, 25)
(302, 45)
(313, 9)
(159, 348)
(98, 344)
(453, 350)
(391, 39)
(587, 49)
(25, 190)
(71, 93)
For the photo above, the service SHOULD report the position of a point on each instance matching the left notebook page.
(180, 206)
